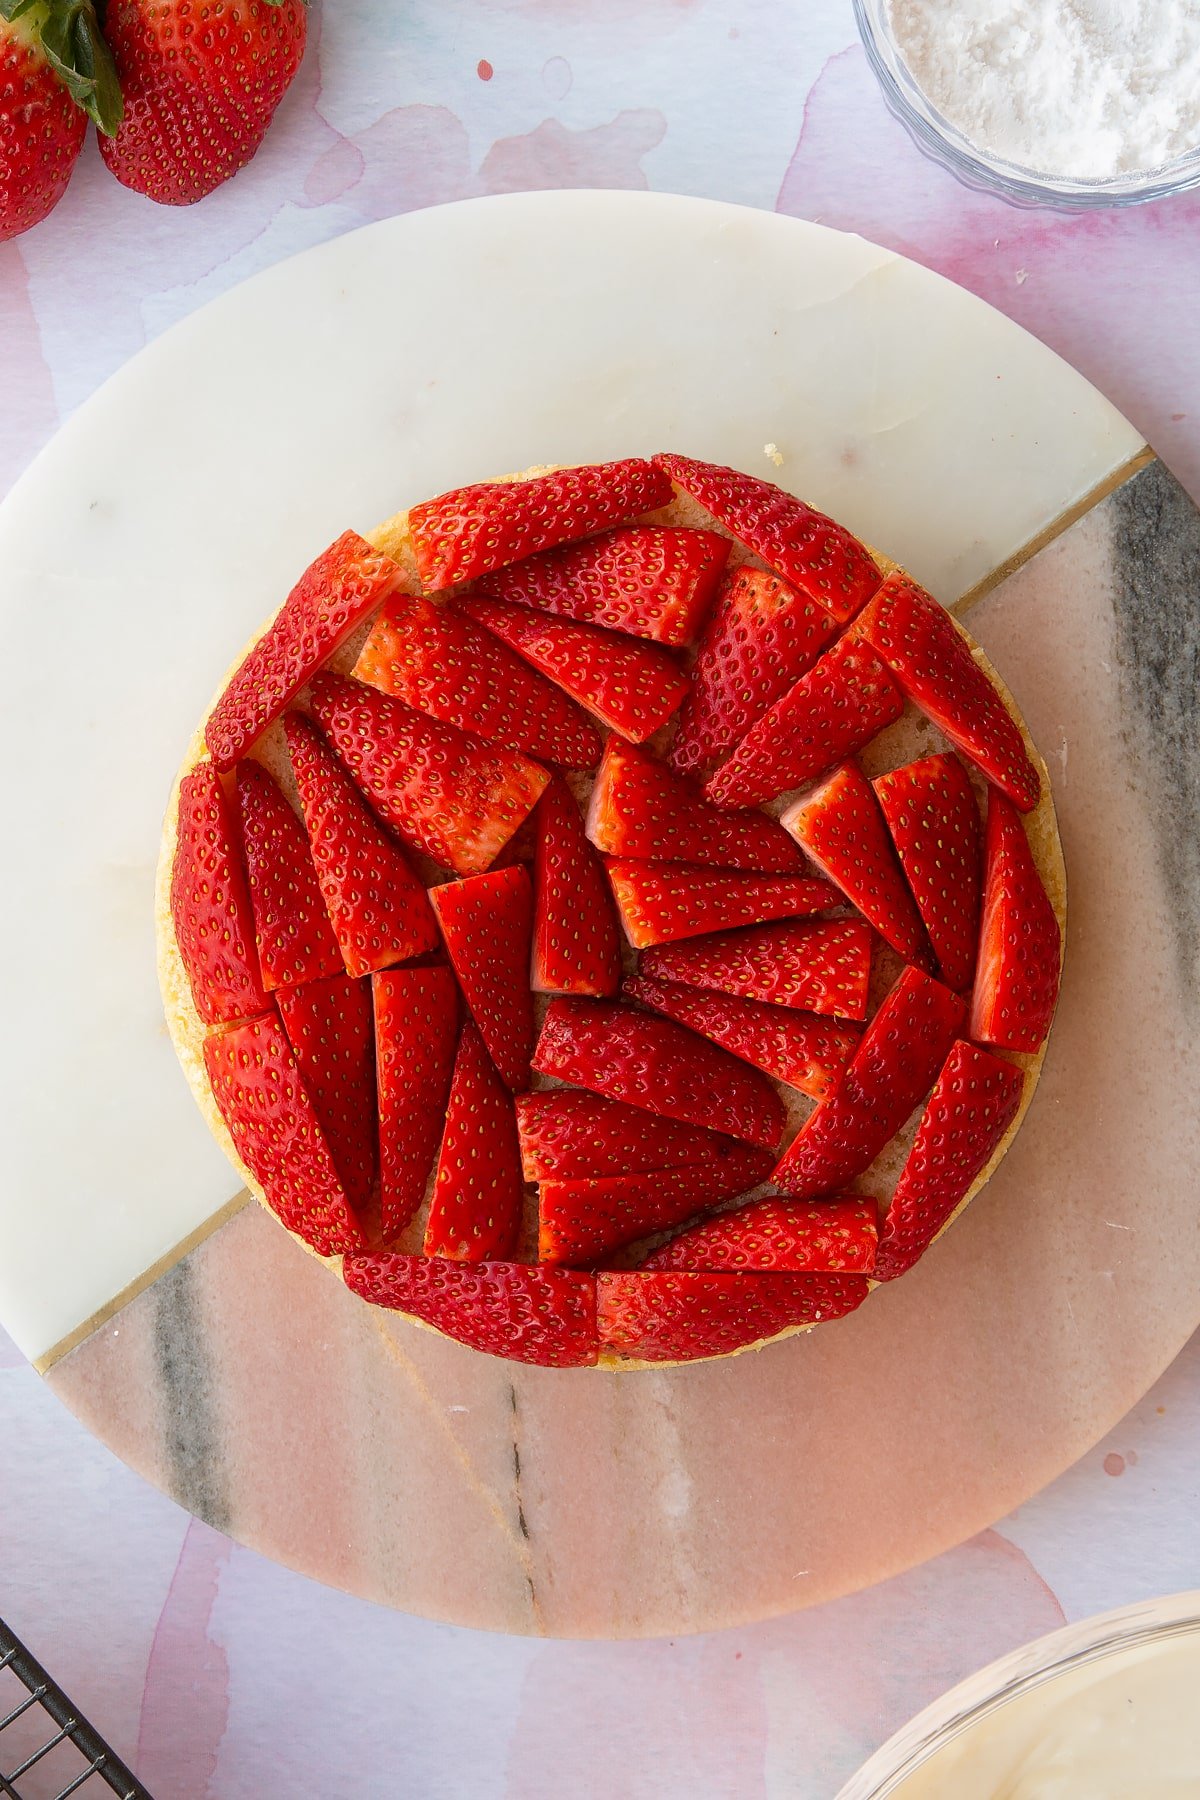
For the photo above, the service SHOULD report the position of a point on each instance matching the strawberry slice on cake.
(660, 902)
(331, 1029)
(974, 1101)
(1020, 942)
(530, 1315)
(568, 1134)
(211, 914)
(776, 1233)
(799, 1049)
(444, 664)
(376, 904)
(822, 558)
(824, 967)
(632, 688)
(671, 1315)
(478, 1189)
(639, 809)
(576, 939)
(330, 600)
(652, 1062)
(295, 939)
(650, 581)
(839, 826)
(934, 823)
(487, 925)
(474, 530)
(890, 1073)
(416, 1033)
(932, 660)
(761, 637)
(583, 1220)
(444, 790)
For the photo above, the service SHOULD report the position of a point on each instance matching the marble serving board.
(163, 523)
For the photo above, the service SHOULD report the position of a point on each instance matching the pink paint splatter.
(667, 1744)
(557, 76)
(1114, 1464)
(1113, 290)
(854, 1670)
(185, 1701)
(553, 156)
(30, 412)
(412, 156)
(484, 69)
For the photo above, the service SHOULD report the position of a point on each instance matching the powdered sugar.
(1066, 87)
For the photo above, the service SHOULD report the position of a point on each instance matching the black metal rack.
(72, 1756)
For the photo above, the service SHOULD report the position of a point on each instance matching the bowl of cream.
(1108, 1709)
(1064, 103)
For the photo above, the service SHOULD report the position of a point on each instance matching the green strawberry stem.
(71, 39)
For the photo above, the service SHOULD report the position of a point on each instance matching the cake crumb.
(775, 454)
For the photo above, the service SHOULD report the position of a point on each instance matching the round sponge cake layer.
(911, 737)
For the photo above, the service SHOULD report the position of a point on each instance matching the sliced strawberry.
(841, 827)
(529, 1315)
(662, 901)
(295, 938)
(581, 1221)
(970, 1109)
(931, 658)
(762, 636)
(889, 1074)
(487, 924)
(478, 1192)
(777, 1233)
(638, 808)
(444, 790)
(653, 582)
(569, 1135)
(331, 1031)
(821, 967)
(632, 688)
(821, 558)
(328, 602)
(276, 1132)
(444, 664)
(931, 813)
(1020, 944)
(806, 1052)
(654, 1063)
(576, 939)
(668, 1315)
(416, 1028)
(841, 704)
(210, 904)
(376, 904)
(473, 530)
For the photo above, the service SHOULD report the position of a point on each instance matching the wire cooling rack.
(46, 1744)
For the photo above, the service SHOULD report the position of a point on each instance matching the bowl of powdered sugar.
(1071, 103)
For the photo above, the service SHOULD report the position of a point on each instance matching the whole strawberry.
(201, 81)
(54, 73)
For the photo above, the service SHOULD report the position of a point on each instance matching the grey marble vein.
(1156, 546)
(191, 1443)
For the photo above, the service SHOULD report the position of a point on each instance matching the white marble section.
(168, 517)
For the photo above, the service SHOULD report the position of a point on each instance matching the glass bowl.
(976, 168)
(1033, 1666)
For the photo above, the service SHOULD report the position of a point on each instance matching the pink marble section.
(508, 1705)
(388, 1461)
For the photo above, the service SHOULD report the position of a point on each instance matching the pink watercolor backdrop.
(215, 1672)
